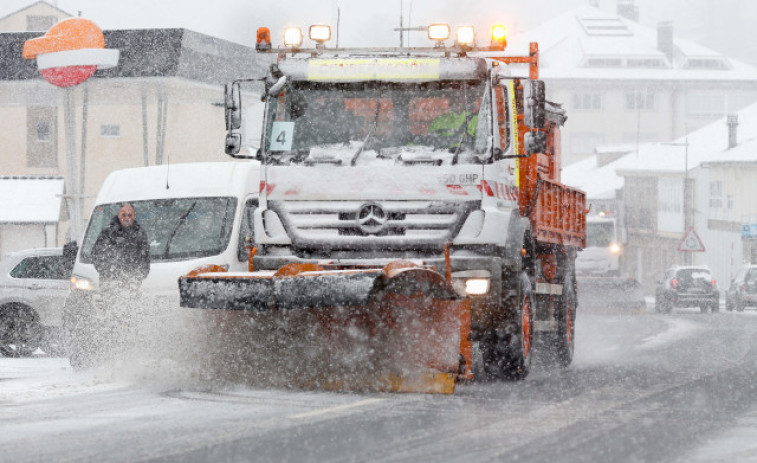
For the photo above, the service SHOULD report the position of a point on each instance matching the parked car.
(743, 289)
(33, 287)
(687, 286)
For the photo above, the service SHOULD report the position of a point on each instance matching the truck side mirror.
(233, 143)
(535, 142)
(274, 81)
(534, 99)
(233, 105)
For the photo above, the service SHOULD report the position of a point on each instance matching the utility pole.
(688, 210)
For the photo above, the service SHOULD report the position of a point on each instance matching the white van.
(194, 214)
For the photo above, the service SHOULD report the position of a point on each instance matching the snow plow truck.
(410, 208)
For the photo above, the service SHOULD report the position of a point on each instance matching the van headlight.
(81, 284)
(472, 282)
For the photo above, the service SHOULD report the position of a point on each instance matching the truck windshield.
(431, 123)
(599, 234)
(177, 229)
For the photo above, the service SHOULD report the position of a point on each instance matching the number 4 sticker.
(281, 136)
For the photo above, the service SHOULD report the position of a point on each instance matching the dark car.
(743, 290)
(691, 286)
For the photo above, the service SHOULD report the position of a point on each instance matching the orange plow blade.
(396, 328)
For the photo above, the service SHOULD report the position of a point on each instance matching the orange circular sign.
(70, 52)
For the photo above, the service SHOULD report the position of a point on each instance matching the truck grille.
(371, 224)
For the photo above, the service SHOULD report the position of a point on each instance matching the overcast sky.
(362, 23)
(723, 25)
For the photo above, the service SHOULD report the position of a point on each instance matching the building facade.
(625, 83)
(162, 103)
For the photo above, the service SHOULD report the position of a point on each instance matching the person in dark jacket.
(121, 253)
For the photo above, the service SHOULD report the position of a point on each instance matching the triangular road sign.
(691, 242)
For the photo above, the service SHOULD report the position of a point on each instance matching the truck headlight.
(471, 282)
(81, 284)
(477, 286)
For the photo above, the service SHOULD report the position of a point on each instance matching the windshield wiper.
(182, 221)
(371, 131)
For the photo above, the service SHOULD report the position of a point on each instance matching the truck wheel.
(566, 326)
(506, 351)
(739, 306)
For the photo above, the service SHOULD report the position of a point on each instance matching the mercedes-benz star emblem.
(371, 218)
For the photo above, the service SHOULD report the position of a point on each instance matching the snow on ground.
(29, 379)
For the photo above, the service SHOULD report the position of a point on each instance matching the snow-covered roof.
(30, 199)
(708, 145)
(11, 7)
(599, 182)
(590, 43)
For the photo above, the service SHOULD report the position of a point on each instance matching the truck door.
(246, 229)
(500, 174)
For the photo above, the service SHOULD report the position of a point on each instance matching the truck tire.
(506, 350)
(565, 338)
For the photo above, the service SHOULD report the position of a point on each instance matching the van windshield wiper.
(182, 221)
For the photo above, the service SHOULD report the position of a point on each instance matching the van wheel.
(20, 330)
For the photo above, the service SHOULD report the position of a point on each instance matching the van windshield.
(177, 229)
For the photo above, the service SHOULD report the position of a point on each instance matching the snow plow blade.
(612, 295)
(400, 327)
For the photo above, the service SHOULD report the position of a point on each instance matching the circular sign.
(70, 52)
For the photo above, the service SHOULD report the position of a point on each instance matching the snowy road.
(647, 388)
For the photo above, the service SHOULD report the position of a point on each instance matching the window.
(705, 105)
(41, 137)
(44, 133)
(716, 195)
(110, 130)
(42, 268)
(644, 63)
(604, 63)
(640, 99)
(705, 63)
(247, 229)
(670, 213)
(587, 101)
(40, 23)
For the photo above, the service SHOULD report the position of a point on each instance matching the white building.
(718, 163)
(625, 83)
